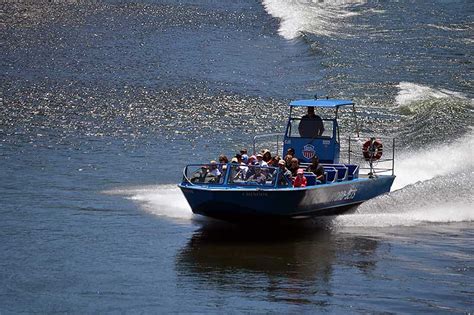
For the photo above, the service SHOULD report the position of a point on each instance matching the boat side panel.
(317, 200)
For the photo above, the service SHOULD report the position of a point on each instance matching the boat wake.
(301, 17)
(423, 164)
(444, 199)
(432, 115)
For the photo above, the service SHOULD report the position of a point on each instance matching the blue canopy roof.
(328, 103)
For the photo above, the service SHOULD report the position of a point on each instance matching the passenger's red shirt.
(300, 181)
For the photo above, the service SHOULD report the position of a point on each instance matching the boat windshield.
(235, 175)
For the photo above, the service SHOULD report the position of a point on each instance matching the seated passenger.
(258, 176)
(200, 176)
(214, 172)
(245, 157)
(260, 160)
(274, 161)
(311, 125)
(222, 161)
(267, 156)
(288, 159)
(290, 151)
(317, 169)
(294, 166)
(284, 176)
(251, 160)
(300, 180)
(235, 171)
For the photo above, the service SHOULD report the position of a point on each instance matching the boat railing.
(274, 141)
(371, 160)
(233, 175)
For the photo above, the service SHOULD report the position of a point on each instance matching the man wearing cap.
(284, 176)
(300, 180)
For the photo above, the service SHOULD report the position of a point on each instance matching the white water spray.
(297, 17)
(410, 93)
(160, 200)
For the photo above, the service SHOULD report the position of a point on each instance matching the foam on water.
(410, 93)
(427, 163)
(298, 17)
(441, 200)
(161, 200)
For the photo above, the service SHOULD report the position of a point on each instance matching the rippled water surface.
(103, 102)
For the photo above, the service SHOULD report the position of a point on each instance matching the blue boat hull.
(237, 204)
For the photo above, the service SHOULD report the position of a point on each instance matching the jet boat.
(234, 195)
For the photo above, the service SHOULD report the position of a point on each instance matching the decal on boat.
(345, 195)
(309, 151)
(255, 194)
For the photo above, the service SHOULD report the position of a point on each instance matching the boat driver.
(311, 125)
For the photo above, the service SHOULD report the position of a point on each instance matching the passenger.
(223, 160)
(311, 125)
(200, 176)
(267, 156)
(274, 161)
(258, 176)
(214, 172)
(294, 166)
(236, 172)
(238, 156)
(288, 159)
(260, 161)
(251, 160)
(291, 152)
(300, 180)
(284, 176)
(244, 154)
(317, 169)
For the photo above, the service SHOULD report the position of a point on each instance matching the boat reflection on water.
(295, 264)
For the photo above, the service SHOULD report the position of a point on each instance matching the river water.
(104, 102)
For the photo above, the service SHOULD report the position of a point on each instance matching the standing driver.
(311, 125)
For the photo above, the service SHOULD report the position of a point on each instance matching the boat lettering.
(345, 195)
(255, 194)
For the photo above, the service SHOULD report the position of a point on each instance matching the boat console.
(323, 139)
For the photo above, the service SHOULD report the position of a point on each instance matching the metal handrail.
(374, 170)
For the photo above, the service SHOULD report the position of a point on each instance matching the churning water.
(103, 102)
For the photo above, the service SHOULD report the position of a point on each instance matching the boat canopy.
(325, 103)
